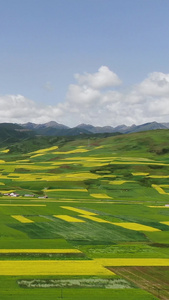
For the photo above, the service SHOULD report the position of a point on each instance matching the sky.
(99, 62)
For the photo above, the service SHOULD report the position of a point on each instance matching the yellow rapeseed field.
(81, 176)
(6, 192)
(22, 219)
(50, 177)
(2, 161)
(100, 196)
(99, 147)
(80, 211)
(45, 150)
(159, 206)
(119, 262)
(5, 151)
(36, 155)
(22, 160)
(138, 163)
(118, 182)
(136, 226)
(165, 222)
(158, 189)
(159, 176)
(131, 226)
(79, 150)
(66, 190)
(139, 174)
(68, 218)
(110, 176)
(63, 162)
(95, 219)
(74, 267)
(39, 251)
(52, 267)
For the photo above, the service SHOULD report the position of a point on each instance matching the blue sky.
(44, 43)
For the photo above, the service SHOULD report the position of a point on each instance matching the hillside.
(11, 133)
(149, 143)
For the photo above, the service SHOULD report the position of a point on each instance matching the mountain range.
(13, 133)
(55, 129)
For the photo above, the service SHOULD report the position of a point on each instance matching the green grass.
(124, 251)
(9, 288)
(35, 244)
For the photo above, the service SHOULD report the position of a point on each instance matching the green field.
(90, 220)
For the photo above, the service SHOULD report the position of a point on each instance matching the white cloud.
(103, 78)
(91, 101)
(156, 84)
(82, 95)
(19, 109)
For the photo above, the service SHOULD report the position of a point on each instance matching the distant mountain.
(12, 133)
(55, 129)
(165, 124)
(51, 124)
(123, 128)
(96, 129)
(145, 127)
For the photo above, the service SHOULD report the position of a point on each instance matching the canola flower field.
(76, 211)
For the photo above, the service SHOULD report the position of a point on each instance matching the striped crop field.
(9, 251)
(117, 182)
(140, 174)
(104, 196)
(131, 226)
(4, 151)
(22, 219)
(80, 211)
(165, 222)
(121, 262)
(158, 189)
(68, 218)
(93, 267)
(159, 206)
(66, 190)
(136, 226)
(72, 151)
(52, 268)
(36, 155)
(95, 219)
(46, 150)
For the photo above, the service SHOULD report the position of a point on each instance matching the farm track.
(147, 278)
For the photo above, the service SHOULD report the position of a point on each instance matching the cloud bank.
(96, 99)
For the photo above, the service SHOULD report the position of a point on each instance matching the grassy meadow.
(85, 218)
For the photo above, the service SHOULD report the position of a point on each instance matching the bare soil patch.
(155, 280)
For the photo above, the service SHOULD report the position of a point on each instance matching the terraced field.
(76, 219)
